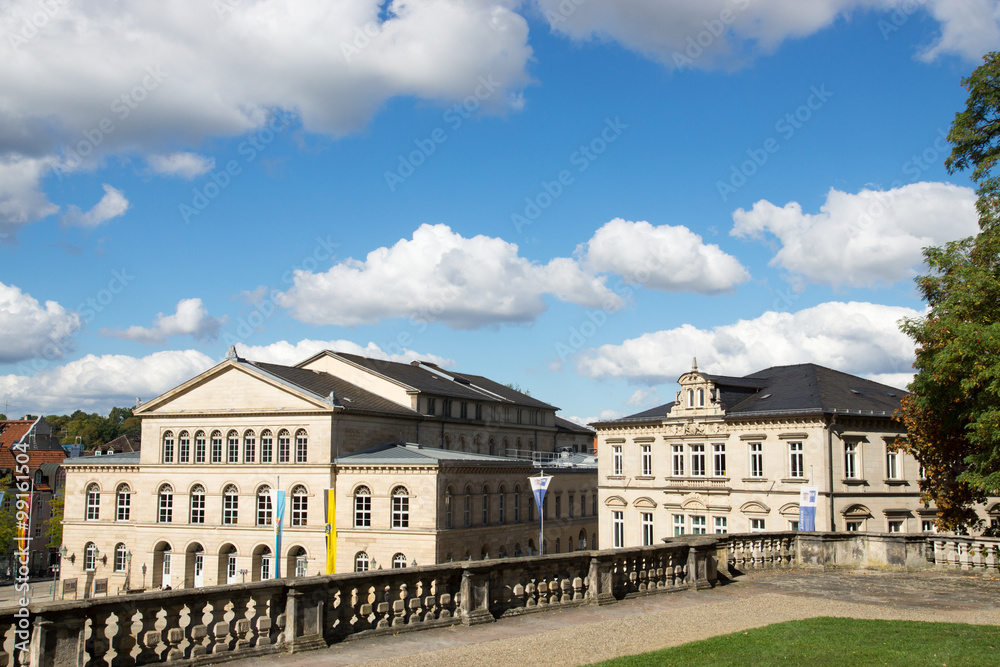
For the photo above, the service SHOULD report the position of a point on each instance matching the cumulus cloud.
(112, 205)
(859, 338)
(102, 382)
(727, 33)
(190, 319)
(183, 165)
(441, 276)
(663, 257)
(21, 198)
(866, 238)
(289, 354)
(29, 330)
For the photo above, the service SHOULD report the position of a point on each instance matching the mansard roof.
(346, 395)
(412, 454)
(798, 388)
(427, 377)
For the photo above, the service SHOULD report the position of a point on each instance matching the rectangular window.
(892, 465)
(121, 560)
(616, 461)
(284, 447)
(266, 447)
(698, 460)
(558, 507)
(362, 511)
(699, 525)
(184, 449)
(486, 509)
(678, 460)
(593, 504)
(168, 449)
(197, 508)
(647, 460)
(678, 525)
(851, 460)
(249, 448)
(230, 509)
(166, 513)
(216, 448)
(501, 507)
(796, 465)
(895, 526)
(719, 460)
(927, 526)
(233, 453)
(853, 526)
(793, 526)
(301, 448)
(400, 511)
(618, 528)
(646, 518)
(572, 501)
(721, 525)
(199, 448)
(756, 459)
(757, 526)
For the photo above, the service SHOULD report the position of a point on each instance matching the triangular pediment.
(231, 386)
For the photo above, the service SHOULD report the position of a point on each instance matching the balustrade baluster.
(399, 606)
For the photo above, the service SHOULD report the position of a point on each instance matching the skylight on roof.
(855, 391)
(889, 393)
(765, 396)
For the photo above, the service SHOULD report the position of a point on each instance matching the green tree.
(53, 526)
(952, 413)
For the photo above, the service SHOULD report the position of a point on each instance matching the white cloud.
(727, 33)
(866, 238)
(289, 354)
(190, 319)
(30, 331)
(112, 205)
(184, 165)
(441, 276)
(859, 338)
(663, 257)
(605, 415)
(102, 382)
(21, 198)
(643, 397)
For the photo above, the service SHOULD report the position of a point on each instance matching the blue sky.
(575, 196)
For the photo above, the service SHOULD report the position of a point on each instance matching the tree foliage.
(93, 429)
(952, 413)
(53, 525)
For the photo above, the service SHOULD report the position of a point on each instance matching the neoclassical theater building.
(425, 465)
(731, 454)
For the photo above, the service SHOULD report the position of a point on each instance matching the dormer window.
(690, 398)
(701, 398)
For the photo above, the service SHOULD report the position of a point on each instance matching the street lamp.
(244, 573)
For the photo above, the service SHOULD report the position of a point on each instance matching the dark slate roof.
(800, 388)
(346, 395)
(128, 458)
(567, 425)
(423, 378)
(411, 454)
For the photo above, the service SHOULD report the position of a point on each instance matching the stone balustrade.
(966, 554)
(290, 615)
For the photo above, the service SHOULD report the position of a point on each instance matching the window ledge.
(855, 482)
(755, 479)
(616, 476)
(897, 482)
(795, 480)
(645, 477)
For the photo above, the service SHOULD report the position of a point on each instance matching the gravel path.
(590, 634)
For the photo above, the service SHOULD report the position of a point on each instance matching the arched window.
(197, 504)
(467, 508)
(493, 447)
(517, 504)
(557, 545)
(266, 447)
(500, 505)
(361, 561)
(363, 509)
(690, 398)
(300, 562)
(168, 447)
(123, 502)
(400, 507)
(165, 513)
(301, 446)
(93, 502)
(398, 562)
(265, 565)
(264, 510)
(531, 507)
(121, 557)
(486, 506)
(583, 540)
(249, 447)
(230, 505)
(184, 448)
(233, 447)
(701, 398)
(284, 446)
(449, 509)
(90, 557)
(300, 506)
(199, 447)
(216, 446)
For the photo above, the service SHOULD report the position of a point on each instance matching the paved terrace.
(583, 635)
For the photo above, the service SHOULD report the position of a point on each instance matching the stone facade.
(192, 508)
(731, 455)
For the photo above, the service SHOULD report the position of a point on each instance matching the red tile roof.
(11, 433)
(12, 430)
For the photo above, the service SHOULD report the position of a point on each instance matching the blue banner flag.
(278, 505)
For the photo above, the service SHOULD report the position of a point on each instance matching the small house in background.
(123, 444)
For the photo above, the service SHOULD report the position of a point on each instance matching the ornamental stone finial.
(694, 364)
(231, 354)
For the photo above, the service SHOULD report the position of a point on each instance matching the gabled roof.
(346, 395)
(12, 430)
(799, 388)
(36, 458)
(123, 443)
(429, 378)
(411, 454)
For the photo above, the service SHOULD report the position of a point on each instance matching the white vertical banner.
(807, 507)
(538, 487)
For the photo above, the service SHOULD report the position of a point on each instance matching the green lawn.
(837, 641)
